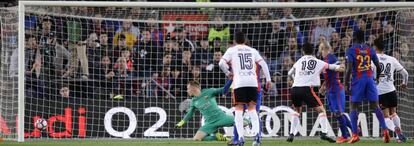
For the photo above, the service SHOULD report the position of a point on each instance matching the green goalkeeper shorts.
(211, 126)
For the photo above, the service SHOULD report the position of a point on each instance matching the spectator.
(104, 48)
(203, 53)
(164, 80)
(294, 32)
(404, 56)
(186, 63)
(77, 34)
(97, 25)
(105, 74)
(275, 40)
(217, 45)
(389, 39)
(291, 50)
(35, 83)
(371, 39)
(131, 33)
(219, 30)
(47, 43)
(376, 28)
(287, 82)
(345, 44)
(255, 33)
(125, 53)
(121, 68)
(167, 60)
(61, 61)
(171, 46)
(122, 44)
(104, 71)
(349, 32)
(361, 25)
(183, 41)
(178, 82)
(335, 40)
(287, 14)
(156, 33)
(322, 28)
(195, 74)
(148, 51)
(344, 22)
(59, 26)
(64, 92)
(213, 71)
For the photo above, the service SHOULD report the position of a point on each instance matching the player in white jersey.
(306, 75)
(386, 89)
(244, 62)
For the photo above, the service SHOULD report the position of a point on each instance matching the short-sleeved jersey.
(331, 77)
(307, 71)
(243, 60)
(206, 104)
(361, 55)
(388, 66)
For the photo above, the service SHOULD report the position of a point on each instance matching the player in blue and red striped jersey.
(334, 92)
(363, 86)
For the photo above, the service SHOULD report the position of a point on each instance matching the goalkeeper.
(215, 118)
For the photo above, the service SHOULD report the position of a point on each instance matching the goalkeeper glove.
(180, 124)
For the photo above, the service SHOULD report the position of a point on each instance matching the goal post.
(193, 17)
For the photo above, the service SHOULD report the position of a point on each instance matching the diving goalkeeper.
(215, 118)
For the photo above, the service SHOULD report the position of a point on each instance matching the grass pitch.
(268, 142)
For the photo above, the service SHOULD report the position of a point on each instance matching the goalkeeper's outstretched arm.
(187, 117)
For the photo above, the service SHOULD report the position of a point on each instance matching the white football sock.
(255, 121)
(390, 124)
(324, 122)
(396, 119)
(295, 123)
(238, 121)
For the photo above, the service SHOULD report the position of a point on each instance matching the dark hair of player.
(378, 43)
(239, 37)
(359, 36)
(307, 49)
(194, 83)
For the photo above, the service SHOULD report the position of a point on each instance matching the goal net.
(121, 72)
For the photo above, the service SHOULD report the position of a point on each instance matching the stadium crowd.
(146, 59)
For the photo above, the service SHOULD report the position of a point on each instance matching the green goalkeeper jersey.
(206, 104)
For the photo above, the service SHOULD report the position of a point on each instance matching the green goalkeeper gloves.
(180, 124)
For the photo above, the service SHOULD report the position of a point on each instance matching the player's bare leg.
(324, 124)
(295, 122)
(200, 135)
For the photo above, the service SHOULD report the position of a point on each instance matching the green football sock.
(209, 138)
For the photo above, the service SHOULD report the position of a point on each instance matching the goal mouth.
(119, 70)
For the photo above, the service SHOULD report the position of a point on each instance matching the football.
(41, 124)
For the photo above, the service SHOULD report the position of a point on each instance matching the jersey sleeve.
(397, 65)
(322, 65)
(349, 55)
(257, 56)
(215, 91)
(374, 56)
(332, 59)
(227, 56)
(190, 112)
